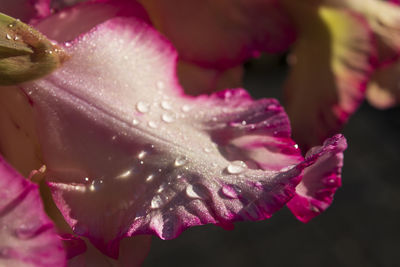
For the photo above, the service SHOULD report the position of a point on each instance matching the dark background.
(361, 228)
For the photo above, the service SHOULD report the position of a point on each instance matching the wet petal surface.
(128, 153)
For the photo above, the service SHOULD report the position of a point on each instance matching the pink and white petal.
(331, 64)
(222, 33)
(79, 19)
(127, 153)
(384, 19)
(197, 80)
(25, 10)
(27, 236)
(383, 89)
(320, 181)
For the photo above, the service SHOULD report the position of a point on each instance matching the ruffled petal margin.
(320, 181)
(128, 153)
(27, 235)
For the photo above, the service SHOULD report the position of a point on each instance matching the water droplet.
(149, 178)
(229, 191)
(142, 154)
(180, 161)
(135, 122)
(159, 170)
(156, 202)
(10, 25)
(161, 188)
(166, 105)
(207, 150)
(160, 85)
(244, 123)
(152, 124)
(186, 108)
(167, 118)
(196, 191)
(16, 38)
(114, 137)
(86, 179)
(142, 107)
(141, 162)
(125, 174)
(67, 44)
(296, 146)
(8, 37)
(236, 167)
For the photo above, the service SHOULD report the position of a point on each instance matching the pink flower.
(128, 153)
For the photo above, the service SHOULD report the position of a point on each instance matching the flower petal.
(383, 18)
(80, 18)
(27, 236)
(315, 192)
(127, 153)
(332, 62)
(222, 34)
(25, 10)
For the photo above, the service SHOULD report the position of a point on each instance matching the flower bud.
(25, 53)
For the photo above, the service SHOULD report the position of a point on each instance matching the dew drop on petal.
(186, 108)
(180, 161)
(156, 202)
(125, 174)
(236, 167)
(166, 105)
(191, 192)
(8, 37)
(207, 150)
(167, 118)
(161, 188)
(229, 191)
(149, 178)
(296, 146)
(135, 122)
(142, 154)
(152, 124)
(142, 107)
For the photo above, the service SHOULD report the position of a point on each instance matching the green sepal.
(25, 53)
